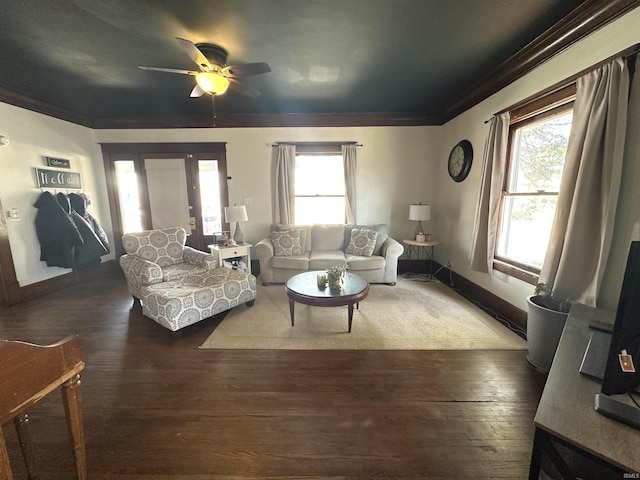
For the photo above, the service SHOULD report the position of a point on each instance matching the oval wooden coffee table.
(303, 288)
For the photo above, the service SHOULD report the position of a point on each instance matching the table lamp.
(419, 212)
(236, 214)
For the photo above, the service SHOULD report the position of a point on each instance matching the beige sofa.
(368, 250)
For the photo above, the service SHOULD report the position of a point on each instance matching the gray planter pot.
(544, 327)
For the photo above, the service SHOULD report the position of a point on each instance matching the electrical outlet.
(13, 213)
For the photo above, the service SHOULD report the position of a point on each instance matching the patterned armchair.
(155, 256)
(178, 285)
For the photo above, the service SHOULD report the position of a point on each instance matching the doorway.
(167, 185)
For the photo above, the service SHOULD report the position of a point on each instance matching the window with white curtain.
(538, 138)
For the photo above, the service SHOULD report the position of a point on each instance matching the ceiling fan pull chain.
(213, 104)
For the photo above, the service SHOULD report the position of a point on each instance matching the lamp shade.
(419, 212)
(235, 214)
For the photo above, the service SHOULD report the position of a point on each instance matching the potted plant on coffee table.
(335, 277)
(547, 315)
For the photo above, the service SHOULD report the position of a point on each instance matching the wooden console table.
(28, 373)
(566, 415)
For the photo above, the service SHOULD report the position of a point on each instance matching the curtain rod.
(626, 53)
(275, 144)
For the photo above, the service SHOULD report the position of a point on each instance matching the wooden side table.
(232, 251)
(29, 372)
(423, 251)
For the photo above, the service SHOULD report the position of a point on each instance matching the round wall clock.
(460, 160)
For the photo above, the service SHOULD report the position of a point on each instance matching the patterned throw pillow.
(288, 242)
(362, 242)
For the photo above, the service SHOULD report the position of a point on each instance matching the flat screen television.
(622, 372)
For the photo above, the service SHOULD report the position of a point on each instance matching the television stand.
(568, 428)
(620, 411)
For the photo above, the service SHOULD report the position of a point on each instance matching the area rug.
(412, 315)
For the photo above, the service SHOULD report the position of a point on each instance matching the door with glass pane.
(170, 187)
(208, 197)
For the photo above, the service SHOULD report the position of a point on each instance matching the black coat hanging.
(56, 232)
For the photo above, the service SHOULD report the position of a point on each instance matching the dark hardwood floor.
(158, 407)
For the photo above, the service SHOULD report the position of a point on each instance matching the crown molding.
(584, 20)
(272, 120)
(23, 101)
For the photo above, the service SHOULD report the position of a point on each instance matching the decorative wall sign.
(58, 162)
(57, 179)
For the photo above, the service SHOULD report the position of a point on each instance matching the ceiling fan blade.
(246, 69)
(197, 91)
(244, 89)
(167, 70)
(194, 54)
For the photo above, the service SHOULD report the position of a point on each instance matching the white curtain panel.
(284, 183)
(349, 156)
(582, 229)
(486, 220)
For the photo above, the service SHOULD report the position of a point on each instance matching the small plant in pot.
(546, 317)
(544, 297)
(335, 277)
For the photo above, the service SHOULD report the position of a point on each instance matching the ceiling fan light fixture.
(212, 82)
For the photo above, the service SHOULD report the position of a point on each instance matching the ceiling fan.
(214, 76)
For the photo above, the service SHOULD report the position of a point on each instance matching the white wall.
(395, 167)
(31, 138)
(456, 202)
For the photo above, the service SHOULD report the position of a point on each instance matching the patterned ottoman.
(182, 302)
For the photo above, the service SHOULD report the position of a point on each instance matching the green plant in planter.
(335, 276)
(546, 317)
(544, 297)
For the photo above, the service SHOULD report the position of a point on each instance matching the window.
(128, 195)
(538, 138)
(210, 206)
(319, 188)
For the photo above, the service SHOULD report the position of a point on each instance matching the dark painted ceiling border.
(584, 20)
(273, 120)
